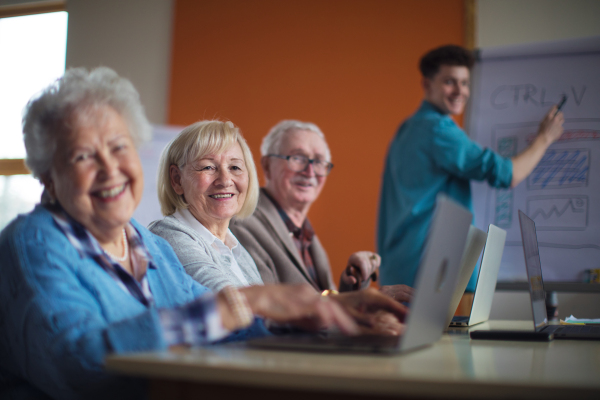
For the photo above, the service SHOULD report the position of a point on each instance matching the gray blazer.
(201, 261)
(268, 241)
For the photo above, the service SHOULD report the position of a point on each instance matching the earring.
(47, 198)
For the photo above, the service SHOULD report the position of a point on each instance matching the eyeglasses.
(299, 163)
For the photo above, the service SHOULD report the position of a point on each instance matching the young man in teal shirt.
(430, 154)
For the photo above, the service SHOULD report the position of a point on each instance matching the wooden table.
(454, 367)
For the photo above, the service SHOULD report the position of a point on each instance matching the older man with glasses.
(296, 162)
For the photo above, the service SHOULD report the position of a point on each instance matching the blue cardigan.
(61, 314)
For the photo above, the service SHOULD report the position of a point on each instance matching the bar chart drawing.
(561, 168)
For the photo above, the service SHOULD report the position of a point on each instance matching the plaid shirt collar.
(88, 246)
(305, 232)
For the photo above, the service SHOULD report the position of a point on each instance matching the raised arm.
(551, 128)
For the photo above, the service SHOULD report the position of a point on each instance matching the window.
(33, 38)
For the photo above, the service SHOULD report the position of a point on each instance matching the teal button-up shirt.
(430, 154)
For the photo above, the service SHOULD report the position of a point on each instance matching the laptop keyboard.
(457, 318)
(369, 343)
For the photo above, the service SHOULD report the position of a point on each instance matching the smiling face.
(297, 190)
(214, 186)
(448, 90)
(96, 173)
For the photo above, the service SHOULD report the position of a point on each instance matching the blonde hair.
(195, 142)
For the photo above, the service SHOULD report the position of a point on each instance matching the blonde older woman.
(81, 279)
(206, 177)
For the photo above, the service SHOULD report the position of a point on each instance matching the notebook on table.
(486, 280)
(435, 283)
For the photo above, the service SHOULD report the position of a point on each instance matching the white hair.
(272, 142)
(49, 114)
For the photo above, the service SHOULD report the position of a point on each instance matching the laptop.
(475, 242)
(486, 281)
(435, 283)
(537, 296)
(537, 293)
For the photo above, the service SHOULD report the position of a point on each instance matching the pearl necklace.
(125, 253)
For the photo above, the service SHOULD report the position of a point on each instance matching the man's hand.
(551, 127)
(375, 312)
(384, 323)
(365, 262)
(401, 293)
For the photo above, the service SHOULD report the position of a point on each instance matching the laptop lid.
(488, 275)
(438, 274)
(475, 242)
(534, 271)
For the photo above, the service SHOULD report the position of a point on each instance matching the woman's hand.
(363, 312)
(298, 305)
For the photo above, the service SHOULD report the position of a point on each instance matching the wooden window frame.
(13, 166)
(470, 7)
(35, 7)
(16, 166)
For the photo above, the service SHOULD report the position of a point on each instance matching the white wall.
(511, 22)
(133, 37)
(507, 22)
(516, 305)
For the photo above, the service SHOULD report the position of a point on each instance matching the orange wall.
(350, 66)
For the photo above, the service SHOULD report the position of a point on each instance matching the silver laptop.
(536, 289)
(541, 330)
(475, 242)
(436, 279)
(486, 281)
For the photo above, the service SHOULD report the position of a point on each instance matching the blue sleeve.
(53, 332)
(171, 259)
(458, 155)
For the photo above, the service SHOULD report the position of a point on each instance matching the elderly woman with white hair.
(81, 279)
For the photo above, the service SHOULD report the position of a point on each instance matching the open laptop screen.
(534, 270)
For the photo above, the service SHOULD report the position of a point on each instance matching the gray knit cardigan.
(201, 261)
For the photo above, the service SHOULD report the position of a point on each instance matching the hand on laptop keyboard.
(375, 312)
(400, 293)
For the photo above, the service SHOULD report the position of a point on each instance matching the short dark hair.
(446, 55)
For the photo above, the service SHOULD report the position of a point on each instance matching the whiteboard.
(149, 208)
(513, 88)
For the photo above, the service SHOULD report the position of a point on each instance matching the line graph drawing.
(561, 168)
(559, 212)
